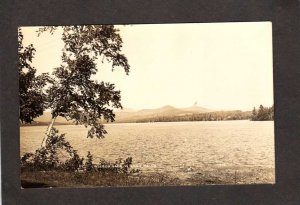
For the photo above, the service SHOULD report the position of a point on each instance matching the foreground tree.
(32, 97)
(73, 94)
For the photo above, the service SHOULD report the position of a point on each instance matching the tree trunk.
(48, 132)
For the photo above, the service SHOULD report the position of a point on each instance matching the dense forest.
(263, 113)
(210, 116)
(260, 114)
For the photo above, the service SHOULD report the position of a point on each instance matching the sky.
(220, 66)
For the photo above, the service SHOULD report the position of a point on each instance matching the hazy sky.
(220, 66)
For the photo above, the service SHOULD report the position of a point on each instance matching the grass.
(97, 179)
(92, 179)
(246, 175)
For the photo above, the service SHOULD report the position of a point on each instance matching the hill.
(163, 114)
(44, 120)
(166, 111)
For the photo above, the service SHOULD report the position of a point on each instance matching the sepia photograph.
(132, 105)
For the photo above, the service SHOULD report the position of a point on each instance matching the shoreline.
(116, 123)
(48, 179)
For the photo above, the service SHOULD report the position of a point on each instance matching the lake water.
(178, 148)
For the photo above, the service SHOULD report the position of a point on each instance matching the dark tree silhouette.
(74, 95)
(263, 113)
(32, 97)
(254, 113)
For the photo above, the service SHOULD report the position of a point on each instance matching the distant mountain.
(163, 114)
(198, 109)
(166, 111)
(46, 118)
(131, 115)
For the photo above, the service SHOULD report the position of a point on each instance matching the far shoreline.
(114, 123)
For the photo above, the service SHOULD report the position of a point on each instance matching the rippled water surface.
(180, 148)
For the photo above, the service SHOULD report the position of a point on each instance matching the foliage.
(47, 158)
(119, 166)
(210, 116)
(73, 163)
(32, 97)
(89, 162)
(96, 179)
(74, 95)
(263, 113)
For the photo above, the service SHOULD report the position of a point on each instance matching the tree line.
(210, 116)
(262, 113)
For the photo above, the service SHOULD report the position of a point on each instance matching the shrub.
(73, 163)
(47, 159)
(89, 162)
(119, 166)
